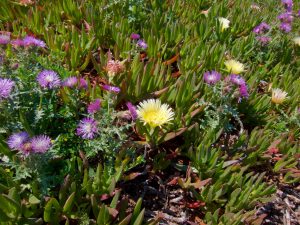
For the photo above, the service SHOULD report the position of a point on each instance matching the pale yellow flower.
(154, 113)
(296, 40)
(234, 66)
(224, 23)
(278, 96)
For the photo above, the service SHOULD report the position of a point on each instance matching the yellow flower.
(154, 113)
(224, 23)
(234, 66)
(278, 96)
(296, 40)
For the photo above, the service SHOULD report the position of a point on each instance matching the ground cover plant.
(149, 112)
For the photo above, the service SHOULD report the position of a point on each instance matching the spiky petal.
(6, 86)
(87, 128)
(4, 39)
(70, 82)
(16, 141)
(132, 110)
(278, 96)
(41, 143)
(154, 113)
(48, 79)
(32, 41)
(111, 88)
(94, 106)
(211, 77)
(234, 66)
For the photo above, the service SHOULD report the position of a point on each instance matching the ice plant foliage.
(16, 141)
(6, 86)
(87, 128)
(211, 77)
(48, 79)
(94, 106)
(234, 66)
(153, 113)
(224, 23)
(40, 143)
(278, 96)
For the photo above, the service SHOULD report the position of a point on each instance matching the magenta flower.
(4, 39)
(243, 91)
(41, 143)
(237, 80)
(211, 77)
(286, 17)
(132, 110)
(70, 82)
(6, 86)
(264, 40)
(32, 41)
(285, 27)
(94, 106)
(83, 83)
(87, 128)
(288, 4)
(135, 36)
(17, 42)
(261, 28)
(48, 79)
(142, 44)
(111, 88)
(16, 141)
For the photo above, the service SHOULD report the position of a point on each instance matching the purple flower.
(83, 83)
(261, 28)
(87, 128)
(40, 143)
(285, 27)
(243, 91)
(111, 88)
(17, 42)
(299, 13)
(142, 44)
(48, 79)
(94, 106)
(70, 82)
(16, 141)
(6, 86)
(30, 40)
(264, 40)
(135, 36)
(132, 110)
(286, 17)
(4, 39)
(211, 77)
(288, 4)
(236, 79)
(26, 148)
